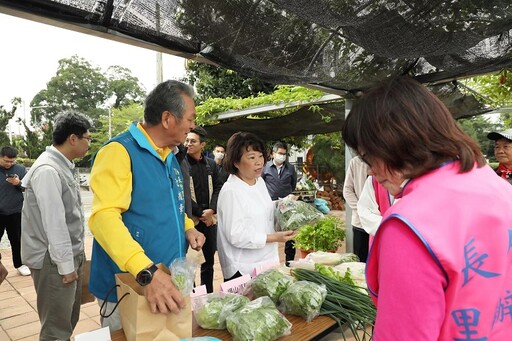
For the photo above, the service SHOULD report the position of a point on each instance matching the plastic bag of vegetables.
(216, 307)
(259, 320)
(304, 299)
(293, 214)
(271, 283)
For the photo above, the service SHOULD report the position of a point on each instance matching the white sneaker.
(24, 270)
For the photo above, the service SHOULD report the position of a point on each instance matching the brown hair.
(237, 144)
(407, 127)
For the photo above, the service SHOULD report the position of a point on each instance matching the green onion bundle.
(345, 303)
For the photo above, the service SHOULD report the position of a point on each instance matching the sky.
(30, 51)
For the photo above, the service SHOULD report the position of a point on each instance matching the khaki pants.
(58, 305)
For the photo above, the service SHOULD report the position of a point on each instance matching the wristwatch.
(145, 276)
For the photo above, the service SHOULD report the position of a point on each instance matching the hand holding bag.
(140, 324)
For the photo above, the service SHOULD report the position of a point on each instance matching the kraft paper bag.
(86, 296)
(140, 324)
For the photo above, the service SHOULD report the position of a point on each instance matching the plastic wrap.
(216, 307)
(271, 283)
(304, 299)
(293, 214)
(259, 320)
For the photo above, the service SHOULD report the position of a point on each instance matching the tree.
(496, 89)
(124, 87)
(5, 117)
(79, 86)
(217, 82)
(478, 127)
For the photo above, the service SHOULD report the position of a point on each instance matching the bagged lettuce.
(271, 283)
(259, 320)
(293, 214)
(304, 299)
(216, 307)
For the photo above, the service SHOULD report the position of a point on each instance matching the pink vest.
(465, 222)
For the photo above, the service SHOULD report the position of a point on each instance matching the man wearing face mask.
(218, 155)
(280, 177)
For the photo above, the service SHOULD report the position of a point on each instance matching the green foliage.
(35, 141)
(5, 117)
(329, 154)
(216, 82)
(80, 86)
(478, 127)
(326, 235)
(208, 111)
(496, 89)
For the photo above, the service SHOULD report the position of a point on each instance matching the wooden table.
(301, 330)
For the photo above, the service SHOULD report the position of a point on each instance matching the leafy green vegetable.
(293, 214)
(326, 235)
(258, 320)
(271, 283)
(212, 315)
(180, 281)
(304, 299)
(331, 273)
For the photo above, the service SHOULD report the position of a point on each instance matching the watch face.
(144, 277)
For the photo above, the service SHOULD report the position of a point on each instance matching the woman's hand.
(280, 237)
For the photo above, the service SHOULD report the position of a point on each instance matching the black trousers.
(209, 248)
(289, 251)
(361, 240)
(12, 224)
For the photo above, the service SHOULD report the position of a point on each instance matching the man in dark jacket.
(205, 185)
(281, 177)
(11, 202)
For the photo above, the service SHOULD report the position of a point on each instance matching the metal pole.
(349, 240)
(109, 123)
(159, 67)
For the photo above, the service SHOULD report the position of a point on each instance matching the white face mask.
(218, 155)
(280, 158)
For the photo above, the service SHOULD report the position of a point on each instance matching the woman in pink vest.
(440, 267)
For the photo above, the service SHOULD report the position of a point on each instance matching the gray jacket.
(52, 216)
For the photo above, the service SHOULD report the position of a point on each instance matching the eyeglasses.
(88, 138)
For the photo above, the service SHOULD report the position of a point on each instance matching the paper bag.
(86, 294)
(140, 324)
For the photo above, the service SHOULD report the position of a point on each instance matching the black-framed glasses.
(362, 156)
(88, 138)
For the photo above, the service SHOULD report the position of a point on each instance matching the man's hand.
(69, 278)
(15, 180)
(162, 295)
(196, 239)
(3, 272)
(282, 236)
(207, 217)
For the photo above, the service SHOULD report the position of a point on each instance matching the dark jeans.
(12, 224)
(209, 248)
(361, 240)
(289, 251)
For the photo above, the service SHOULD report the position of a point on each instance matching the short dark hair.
(219, 145)
(9, 152)
(166, 96)
(200, 132)
(279, 145)
(69, 123)
(407, 127)
(237, 144)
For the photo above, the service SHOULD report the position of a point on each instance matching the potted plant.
(326, 235)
